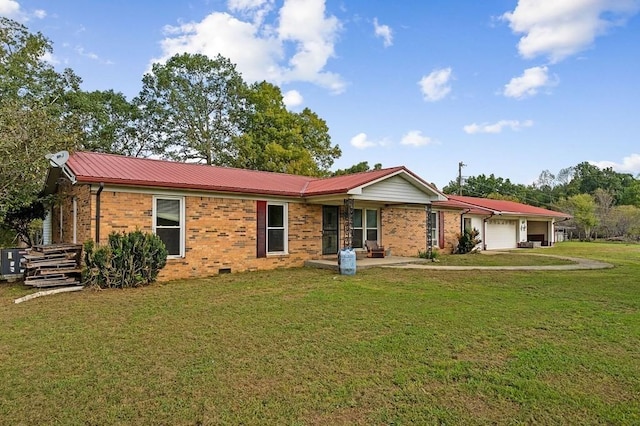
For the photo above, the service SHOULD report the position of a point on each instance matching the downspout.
(484, 230)
(462, 220)
(98, 212)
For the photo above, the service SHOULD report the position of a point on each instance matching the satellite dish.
(58, 159)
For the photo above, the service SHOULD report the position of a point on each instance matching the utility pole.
(460, 166)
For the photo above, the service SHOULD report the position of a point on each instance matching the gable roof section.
(354, 184)
(504, 207)
(92, 167)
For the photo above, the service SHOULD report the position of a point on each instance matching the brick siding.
(220, 232)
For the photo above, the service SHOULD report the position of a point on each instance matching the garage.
(501, 234)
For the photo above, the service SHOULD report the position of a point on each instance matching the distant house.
(218, 219)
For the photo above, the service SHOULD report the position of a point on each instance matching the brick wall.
(451, 230)
(64, 206)
(220, 232)
(404, 230)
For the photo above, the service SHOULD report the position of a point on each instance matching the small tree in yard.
(129, 260)
(468, 241)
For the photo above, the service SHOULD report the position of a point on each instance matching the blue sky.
(509, 87)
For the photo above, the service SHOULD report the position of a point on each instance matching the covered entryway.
(501, 234)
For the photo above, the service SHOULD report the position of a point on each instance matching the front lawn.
(519, 258)
(306, 346)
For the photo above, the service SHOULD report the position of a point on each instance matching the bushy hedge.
(131, 259)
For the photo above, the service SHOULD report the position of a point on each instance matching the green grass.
(521, 258)
(305, 346)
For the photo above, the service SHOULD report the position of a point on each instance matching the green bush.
(129, 260)
(425, 254)
(468, 241)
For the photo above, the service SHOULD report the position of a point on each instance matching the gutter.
(462, 220)
(98, 212)
(484, 230)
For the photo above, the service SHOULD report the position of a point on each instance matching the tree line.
(191, 108)
(604, 203)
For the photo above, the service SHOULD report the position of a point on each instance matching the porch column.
(429, 232)
(347, 223)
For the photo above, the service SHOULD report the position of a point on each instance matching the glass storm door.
(330, 216)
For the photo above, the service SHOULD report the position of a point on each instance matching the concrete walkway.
(416, 263)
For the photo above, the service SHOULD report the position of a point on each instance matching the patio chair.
(373, 249)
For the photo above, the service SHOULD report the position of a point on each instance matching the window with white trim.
(434, 228)
(277, 229)
(365, 226)
(168, 223)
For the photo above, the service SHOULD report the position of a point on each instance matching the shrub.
(468, 241)
(425, 254)
(128, 260)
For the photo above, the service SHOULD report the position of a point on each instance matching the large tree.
(583, 209)
(193, 104)
(275, 139)
(107, 122)
(32, 104)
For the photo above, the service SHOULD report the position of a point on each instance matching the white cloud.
(529, 83)
(260, 47)
(416, 138)
(435, 86)
(50, 58)
(497, 127)
(558, 29)
(361, 141)
(383, 31)
(292, 98)
(9, 8)
(630, 164)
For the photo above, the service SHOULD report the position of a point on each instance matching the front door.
(330, 223)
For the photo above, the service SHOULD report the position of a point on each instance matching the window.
(168, 223)
(365, 226)
(276, 228)
(372, 225)
(357, 229)
(434, 228)
(467, 224)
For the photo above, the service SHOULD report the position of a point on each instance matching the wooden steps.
(53, 265)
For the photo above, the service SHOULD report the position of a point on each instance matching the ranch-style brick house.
(218, 219)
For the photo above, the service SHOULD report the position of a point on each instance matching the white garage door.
(501, 234)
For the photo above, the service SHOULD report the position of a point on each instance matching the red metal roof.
(92, 167)
(504, 206)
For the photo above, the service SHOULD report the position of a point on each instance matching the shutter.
(261, 238)
(441, 229)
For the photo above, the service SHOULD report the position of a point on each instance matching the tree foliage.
(275, 139)
(362, 166)
(107, 122)
(32, 102)
(193, 104)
